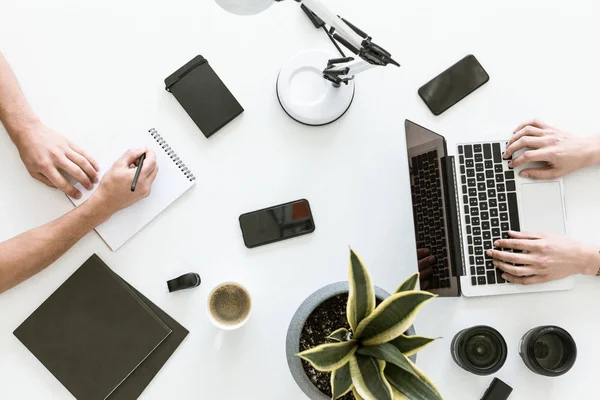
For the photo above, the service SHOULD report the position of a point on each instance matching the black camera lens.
(548, 350)
(480, 350)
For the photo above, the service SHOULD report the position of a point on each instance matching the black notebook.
(99, 336)
(203, 95)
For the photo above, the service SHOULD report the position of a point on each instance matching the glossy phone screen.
(277, 223)
(453, 85)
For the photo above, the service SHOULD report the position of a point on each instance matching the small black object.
(453, 85)
(186, 281)
(203, 95)
(498, 390)
(273, 224)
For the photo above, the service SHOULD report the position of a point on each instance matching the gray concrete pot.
(292, 343)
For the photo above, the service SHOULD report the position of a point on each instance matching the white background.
(94, 70)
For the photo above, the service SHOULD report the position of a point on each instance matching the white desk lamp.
(316, 88)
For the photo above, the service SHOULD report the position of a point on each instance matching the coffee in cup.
(229, 306)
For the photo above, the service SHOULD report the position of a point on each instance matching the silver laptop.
(463, 203)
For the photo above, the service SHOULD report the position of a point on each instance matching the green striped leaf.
(398, 395)
(356, 395)
(409, 284)
(368, 378)
(392, 317)
(341, 381)
(390, 354)
(409, 345)
(426, 380)
(361, 296)
(413, 387)
(339, 335)
(330, 356)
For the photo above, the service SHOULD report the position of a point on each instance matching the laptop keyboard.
(490, 206)
(429, 215)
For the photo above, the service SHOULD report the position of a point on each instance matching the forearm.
(15, 112)
(32, 251)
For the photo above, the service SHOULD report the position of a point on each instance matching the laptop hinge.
(453, 224)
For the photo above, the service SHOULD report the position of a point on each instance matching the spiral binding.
(172, 155)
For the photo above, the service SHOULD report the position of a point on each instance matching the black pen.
(137, 172)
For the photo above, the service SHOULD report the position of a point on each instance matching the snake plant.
(371, 359)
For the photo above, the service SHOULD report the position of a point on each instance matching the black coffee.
(230, 304)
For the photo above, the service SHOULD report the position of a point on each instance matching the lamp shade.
(245, 7)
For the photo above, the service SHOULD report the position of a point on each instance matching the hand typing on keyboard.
(562, 152)
(529, 258)
(426, 263)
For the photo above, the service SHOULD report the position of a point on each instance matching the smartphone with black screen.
(277, 223)
(453, 85)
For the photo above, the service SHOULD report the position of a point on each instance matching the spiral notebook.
(173, 180)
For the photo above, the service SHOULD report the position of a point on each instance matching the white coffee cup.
(229, 306)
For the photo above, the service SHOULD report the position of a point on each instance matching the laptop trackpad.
(542, 208)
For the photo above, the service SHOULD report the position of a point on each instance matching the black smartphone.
(453, 85)
(277, 223)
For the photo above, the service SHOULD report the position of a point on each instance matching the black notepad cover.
(133, 386)
(94, 331)
(203, 96)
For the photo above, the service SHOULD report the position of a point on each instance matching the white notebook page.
(171, 182)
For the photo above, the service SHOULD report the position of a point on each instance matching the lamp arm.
(343, 70)
(335, 22)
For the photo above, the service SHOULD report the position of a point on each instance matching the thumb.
(539, 173)
(131, 156)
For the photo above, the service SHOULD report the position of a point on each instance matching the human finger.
(530, 156)
(515, 244)
(425, 273)
(514, 270)
(76, 172)
(526, 131)
(525, 235)
(61, 183)
(149, 163)
(428, 261)
(89, 158)
(506, 256)
(529, 280)
(525, 142)
(43, 179)
(130, 156)
(84, 164)
(149, 180)
(422, 253)
(534, 123)
(540, 173)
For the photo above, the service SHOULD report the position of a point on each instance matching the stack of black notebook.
(101, 338)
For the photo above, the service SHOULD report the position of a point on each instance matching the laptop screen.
(426, 150)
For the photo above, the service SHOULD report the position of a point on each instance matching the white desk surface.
(95, 70)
